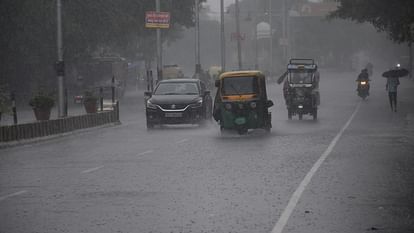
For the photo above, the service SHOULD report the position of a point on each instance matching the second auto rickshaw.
(241, 101)
(301, 88)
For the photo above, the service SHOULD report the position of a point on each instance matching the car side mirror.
(148, 94)
(269, 103)
(206, 93)
(217, 83)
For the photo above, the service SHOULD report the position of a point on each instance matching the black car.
(178, 101)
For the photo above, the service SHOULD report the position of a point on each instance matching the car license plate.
(173, 114)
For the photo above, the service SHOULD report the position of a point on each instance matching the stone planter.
(42, 114)
(90, 106)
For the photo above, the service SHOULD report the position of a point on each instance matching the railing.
(45, 128)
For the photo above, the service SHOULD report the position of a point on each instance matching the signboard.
(155, 19)
(310, 9)
(263, 30)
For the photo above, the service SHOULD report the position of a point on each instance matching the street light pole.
(410, 59)
(222, 38)
(411, 51)
(270, 39)
(239, 58)
(159, 46)
(284, 30)
(197, 39)
(256, 46)
(60, 68)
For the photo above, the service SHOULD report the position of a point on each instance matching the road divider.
(37, 129)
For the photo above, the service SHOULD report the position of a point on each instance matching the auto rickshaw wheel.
(150, 126)
(242, 131)
(222, 130)
(290, 114)
(208, 112)
(315, 114)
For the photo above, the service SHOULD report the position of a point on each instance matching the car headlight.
(363, 82)
(197, 104)
(253, 105)
(151, 105)
(227, 106)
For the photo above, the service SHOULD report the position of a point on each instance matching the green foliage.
(89, 96)
(42, 100)
(29, 34)
(394, 17)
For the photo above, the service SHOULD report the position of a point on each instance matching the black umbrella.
(395, 73)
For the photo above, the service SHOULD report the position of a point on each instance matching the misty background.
(103, 28)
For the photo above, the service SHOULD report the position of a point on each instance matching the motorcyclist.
(363, 76)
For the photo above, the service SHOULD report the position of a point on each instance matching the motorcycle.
(363, 88)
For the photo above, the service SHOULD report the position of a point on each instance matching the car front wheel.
(150, 125)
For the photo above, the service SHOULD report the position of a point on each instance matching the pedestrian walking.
(391, 87)
(393, 81)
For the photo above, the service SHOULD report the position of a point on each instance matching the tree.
(393, 17)
(28, 41)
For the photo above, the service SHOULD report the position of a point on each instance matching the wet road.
(189, 179)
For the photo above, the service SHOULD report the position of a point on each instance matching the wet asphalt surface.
(191, 179)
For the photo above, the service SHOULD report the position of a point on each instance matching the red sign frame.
(154, 19)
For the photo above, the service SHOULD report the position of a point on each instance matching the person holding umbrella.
(393, 81)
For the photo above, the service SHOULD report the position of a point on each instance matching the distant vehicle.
(301, 88)
(241, 101)
(172, 72)
(99, 71)
(78, 99)
(178, 101)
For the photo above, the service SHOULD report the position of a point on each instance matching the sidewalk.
(25, 113)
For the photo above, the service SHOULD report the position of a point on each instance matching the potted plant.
(42, 104)
(90, 102)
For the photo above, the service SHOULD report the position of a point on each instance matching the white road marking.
(298, 192)
(146, 152)
(92, 169)
(12, 195)
(182, 141)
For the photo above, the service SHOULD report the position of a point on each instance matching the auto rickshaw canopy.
(242, 73)
(257, 90)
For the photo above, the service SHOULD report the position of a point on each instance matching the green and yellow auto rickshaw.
(241, 101)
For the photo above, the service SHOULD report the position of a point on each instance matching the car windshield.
(177, 88)
(300, 77)
(240, 86)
